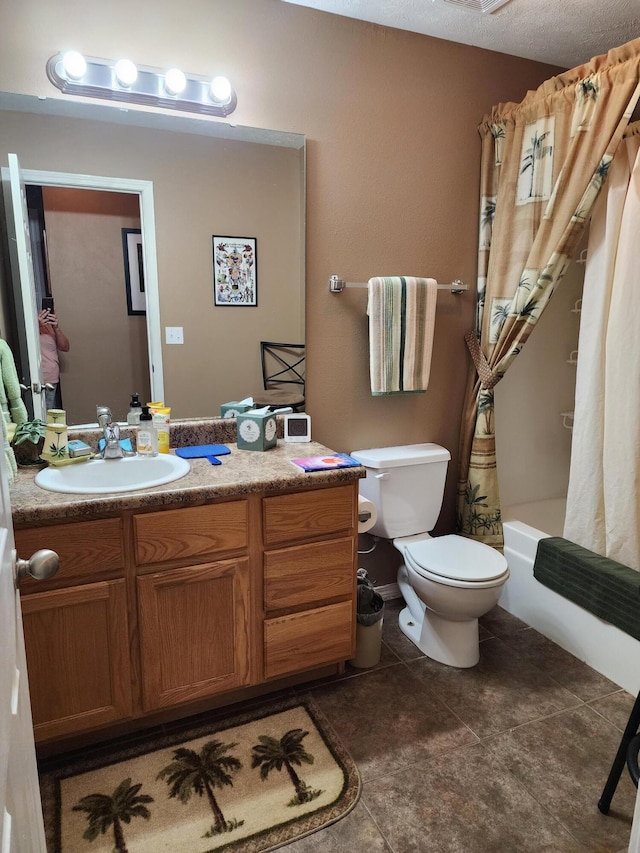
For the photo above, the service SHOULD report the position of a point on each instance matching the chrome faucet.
(112, 446)
(103, 414)
(111, 433)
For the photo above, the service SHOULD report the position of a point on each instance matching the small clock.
(297, 428)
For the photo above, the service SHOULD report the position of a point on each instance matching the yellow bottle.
(161, 420)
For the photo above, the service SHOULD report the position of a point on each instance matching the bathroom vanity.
(234, 580)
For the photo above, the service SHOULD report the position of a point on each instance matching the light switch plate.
(174, 334)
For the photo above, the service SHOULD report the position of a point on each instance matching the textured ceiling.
(560, 32)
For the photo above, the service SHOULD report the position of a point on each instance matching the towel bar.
(337, 285)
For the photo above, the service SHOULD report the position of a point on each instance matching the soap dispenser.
(147, 435)
(135, 410)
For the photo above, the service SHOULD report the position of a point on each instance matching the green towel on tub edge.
(602, 586)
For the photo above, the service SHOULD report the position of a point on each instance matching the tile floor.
(507, 757)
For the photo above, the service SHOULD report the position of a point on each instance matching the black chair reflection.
(283, 376)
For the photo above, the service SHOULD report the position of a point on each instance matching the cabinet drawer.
(287, 518)
(88, 551)
(305, 640)
(193, 532)
(305, 574)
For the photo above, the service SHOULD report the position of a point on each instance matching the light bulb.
(220, 90)
(74, 64)
(174, 81)
(126, 72)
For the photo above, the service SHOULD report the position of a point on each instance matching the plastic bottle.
(161, 419)
(147, 436)
(135, 410)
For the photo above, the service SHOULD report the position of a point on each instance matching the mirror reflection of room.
(202, 186)
(77, 250)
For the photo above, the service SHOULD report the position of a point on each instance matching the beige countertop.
(241, 472)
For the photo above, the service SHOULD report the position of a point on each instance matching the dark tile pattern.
(572, 673)
(560, 761)
(505, 689)
(388, 719)
(509, 756)
(615, 708)
(464, 801)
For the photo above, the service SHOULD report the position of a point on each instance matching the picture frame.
(235, 272)
(134, 271)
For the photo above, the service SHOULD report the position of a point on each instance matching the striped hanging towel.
(402, 312)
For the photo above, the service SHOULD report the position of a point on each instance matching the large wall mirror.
(209, 180)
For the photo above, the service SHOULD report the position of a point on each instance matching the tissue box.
(233, 409)
(256, 431)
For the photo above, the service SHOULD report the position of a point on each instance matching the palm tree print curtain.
(543, 164)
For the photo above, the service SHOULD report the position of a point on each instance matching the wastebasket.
(369, 618)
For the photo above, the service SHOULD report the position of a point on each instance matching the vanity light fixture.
(175, 81)
(75, 74)
(74, 64)
(126, 73)
(220, 90)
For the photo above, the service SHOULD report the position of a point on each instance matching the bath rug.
(251, 782)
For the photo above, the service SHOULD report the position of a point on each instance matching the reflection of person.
(52, 341)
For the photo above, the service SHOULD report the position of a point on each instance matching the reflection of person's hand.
(52, 319)
(43, 317)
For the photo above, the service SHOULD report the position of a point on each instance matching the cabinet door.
(77, 643)
(194, 632)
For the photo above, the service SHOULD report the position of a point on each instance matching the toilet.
(447, 582)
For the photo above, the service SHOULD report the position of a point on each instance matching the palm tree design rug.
(250, 783)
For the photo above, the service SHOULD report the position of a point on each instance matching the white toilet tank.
(406, 484)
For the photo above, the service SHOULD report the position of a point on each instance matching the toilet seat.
(456, 561)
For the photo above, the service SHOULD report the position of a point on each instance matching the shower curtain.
(603, 501)
(544, 162)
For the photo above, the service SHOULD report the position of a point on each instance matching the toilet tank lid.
(406, 454)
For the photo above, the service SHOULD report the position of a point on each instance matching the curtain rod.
(337, 285)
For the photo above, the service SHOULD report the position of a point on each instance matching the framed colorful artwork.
(235, 271)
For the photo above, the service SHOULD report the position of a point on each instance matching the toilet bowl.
(447, 582)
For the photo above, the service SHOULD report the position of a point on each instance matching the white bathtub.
(604, 647)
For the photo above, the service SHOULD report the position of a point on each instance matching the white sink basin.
(102, 476)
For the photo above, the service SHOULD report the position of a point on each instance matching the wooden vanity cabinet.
(155, 610)
(309, 579)
(76, 629)
(194, 608)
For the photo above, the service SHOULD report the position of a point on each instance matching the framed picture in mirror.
(133, 270)
(235, 276)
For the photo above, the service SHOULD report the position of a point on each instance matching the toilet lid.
(456, 558)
